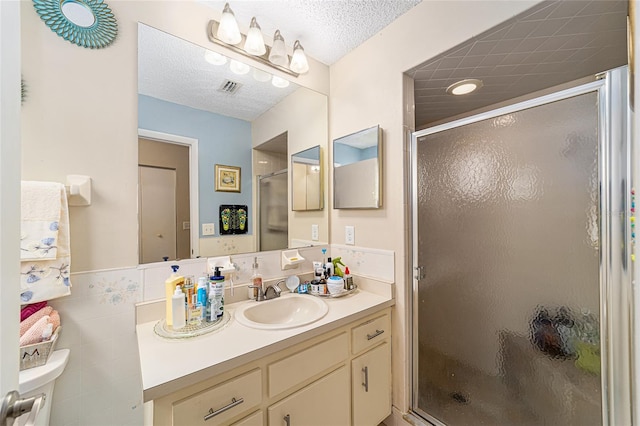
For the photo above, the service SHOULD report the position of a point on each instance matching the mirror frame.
(320, 176)
(354, 186)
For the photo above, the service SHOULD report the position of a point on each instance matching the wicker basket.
(38, 354)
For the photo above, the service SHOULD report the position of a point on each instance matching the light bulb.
(238, 67)
(260, 75)
(278, 54)
(214, 58)
(228, 30)
(254, 44)
(299, 61)
(279, 82)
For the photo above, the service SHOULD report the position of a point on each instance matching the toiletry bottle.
(177, 312)
(219, 295)
(256, 279)
(328, 268)
(216, 295)
(203, 294)
(194, 314)
(348, 279)
(169, 288)
(189, 288)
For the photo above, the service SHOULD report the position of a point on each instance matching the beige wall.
(80, 117)
(367, 89)
(303, 115)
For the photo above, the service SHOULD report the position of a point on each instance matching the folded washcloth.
(34, 334)
(45, 278)
(54, 318)
(29, 322)
(41, 206)
(29, 310)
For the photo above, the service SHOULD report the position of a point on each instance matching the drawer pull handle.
(287, 420)
(374, 335)
(233, 403)
(365, 370)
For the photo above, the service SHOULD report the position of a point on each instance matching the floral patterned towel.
(44, 246)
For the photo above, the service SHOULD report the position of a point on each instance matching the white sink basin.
(287, 311)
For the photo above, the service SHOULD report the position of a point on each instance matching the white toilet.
(42, 380)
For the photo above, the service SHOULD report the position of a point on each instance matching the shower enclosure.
(273, 211)
(520, 250)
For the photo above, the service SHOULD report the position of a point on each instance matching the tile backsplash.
(101, 384)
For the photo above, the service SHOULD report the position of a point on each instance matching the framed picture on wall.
(227, 178)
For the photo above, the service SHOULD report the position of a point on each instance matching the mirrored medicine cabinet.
(357, 170)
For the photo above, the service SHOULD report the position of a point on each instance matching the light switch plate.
(208, 229)
(315, 233)
(186, 226)
(349, 235)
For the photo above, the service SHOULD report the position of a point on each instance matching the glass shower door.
(507, 309)
(273, 211)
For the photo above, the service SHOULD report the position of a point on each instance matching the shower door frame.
(615, 272)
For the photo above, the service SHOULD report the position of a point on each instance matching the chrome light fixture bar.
(252, 45)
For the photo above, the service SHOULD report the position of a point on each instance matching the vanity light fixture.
(299, 61)
(214, 58)
(228, 30)
(279, 82)
(226, 33)
(464, 87)
(239, 68)
(254, 44)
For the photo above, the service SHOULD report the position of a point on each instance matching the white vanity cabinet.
(324, 402)
(341, 377)
(371, 371)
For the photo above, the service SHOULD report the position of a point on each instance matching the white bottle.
(178, 309)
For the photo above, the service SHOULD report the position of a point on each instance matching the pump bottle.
(169, 288)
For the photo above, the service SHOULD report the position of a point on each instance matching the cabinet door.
(324, 402)
(371, 384)
(254, 419)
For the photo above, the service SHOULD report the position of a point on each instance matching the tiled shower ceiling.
(554, 42)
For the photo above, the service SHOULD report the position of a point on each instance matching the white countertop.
(162, 361)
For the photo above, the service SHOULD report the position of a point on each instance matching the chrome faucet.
(272, 291)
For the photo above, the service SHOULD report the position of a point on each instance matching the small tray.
(342, 294)
(163, 330)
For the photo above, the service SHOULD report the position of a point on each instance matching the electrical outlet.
(349, 235)
(208, 229)
(315, 233)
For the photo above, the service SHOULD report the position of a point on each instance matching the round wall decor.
(87, 23)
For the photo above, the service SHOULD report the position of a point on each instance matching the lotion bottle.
(169, 288)
(178, 311)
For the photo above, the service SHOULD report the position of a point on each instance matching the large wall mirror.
(357, 170)
(213, 134)
(306, 180)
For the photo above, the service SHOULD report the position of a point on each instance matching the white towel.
(45, 251)
(41, 206)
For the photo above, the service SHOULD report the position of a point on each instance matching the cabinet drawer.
(217, 403)
(297, 368)
(370, 333)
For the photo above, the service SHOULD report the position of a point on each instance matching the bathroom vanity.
(335, 371)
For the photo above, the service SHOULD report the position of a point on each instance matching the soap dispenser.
(256, 280)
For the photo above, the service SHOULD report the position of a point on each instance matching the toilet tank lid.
(36, 377)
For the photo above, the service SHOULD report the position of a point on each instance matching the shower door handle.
(419, 273)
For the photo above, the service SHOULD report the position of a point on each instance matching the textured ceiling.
(174, 70)
(554, 42)
(327, 29)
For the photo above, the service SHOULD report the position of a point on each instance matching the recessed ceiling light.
(463, 87)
